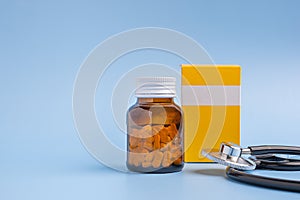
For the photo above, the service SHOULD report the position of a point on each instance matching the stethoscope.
(240, 160)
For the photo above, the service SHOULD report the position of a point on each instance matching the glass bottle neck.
(155, 100)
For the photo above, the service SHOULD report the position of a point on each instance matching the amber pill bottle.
(155, 128)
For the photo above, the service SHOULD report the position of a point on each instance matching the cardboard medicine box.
(210, 97)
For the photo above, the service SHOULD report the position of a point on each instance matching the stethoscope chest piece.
(230, 155)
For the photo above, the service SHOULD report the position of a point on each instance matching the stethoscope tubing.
(262, 181)
(274, 149)
(265, 157)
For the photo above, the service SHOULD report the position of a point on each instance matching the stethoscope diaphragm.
(223, 159)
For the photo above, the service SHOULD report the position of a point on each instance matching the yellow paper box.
(210, 97)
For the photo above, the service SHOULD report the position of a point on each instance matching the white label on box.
(210, 95)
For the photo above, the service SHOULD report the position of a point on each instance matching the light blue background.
(42, 45)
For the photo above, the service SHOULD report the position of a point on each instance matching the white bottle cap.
(159, 87)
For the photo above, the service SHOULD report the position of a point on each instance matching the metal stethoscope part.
(231, 155)
(240, 160)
